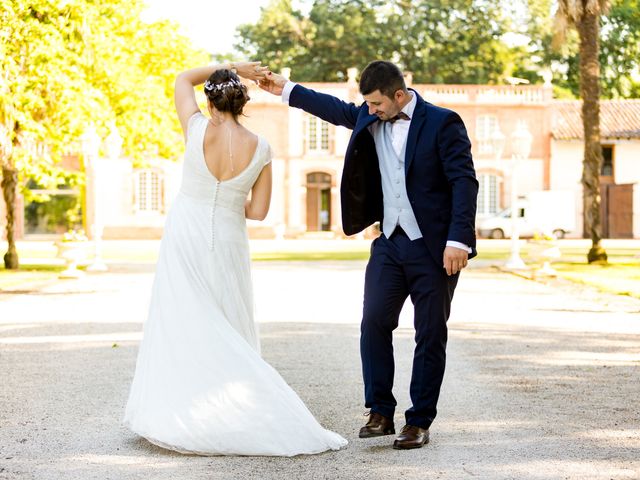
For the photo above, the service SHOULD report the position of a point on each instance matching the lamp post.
(90, 146)
(521, 142)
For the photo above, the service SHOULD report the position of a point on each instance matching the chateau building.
(308, 160)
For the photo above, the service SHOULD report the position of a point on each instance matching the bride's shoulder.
(195, 120)
(264, 149)
(197, 117)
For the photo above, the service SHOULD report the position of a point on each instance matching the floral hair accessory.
(219, 87)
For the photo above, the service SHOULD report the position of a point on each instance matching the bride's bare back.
(228, 149)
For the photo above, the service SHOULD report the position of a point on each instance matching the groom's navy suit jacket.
(440, 178)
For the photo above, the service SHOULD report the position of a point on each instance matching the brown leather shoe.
(411, 437)
(377, 426)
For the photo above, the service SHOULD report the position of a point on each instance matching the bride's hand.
(250, 70)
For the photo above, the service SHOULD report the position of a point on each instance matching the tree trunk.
(9, 184)
(589, 31)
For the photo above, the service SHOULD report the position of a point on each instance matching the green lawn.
(27, 275)
(621, 276)
(284, 256)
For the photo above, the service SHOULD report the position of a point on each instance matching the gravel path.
(542, 380)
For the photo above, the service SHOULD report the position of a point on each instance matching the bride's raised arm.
(184, 96)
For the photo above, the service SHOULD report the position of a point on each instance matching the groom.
(408, 166)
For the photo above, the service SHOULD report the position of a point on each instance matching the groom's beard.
(384, 116)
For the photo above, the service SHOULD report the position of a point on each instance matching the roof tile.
(618, 119)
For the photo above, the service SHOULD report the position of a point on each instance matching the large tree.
(347, 29)
(66, 65)
(584, 16)
(619, 49)
(279, 38)
(440, 41)
(451, 41)
(37, 75)
(443, 41)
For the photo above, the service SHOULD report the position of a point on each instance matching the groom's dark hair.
(383, 76)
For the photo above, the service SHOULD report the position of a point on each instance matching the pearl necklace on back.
(229, 138)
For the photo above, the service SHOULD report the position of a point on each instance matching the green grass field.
(621, 275)
(27, 275)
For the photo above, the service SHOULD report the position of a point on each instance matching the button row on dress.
(213, 214)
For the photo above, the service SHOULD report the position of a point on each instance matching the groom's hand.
(273, 83)
(454, 259)
(251, 70)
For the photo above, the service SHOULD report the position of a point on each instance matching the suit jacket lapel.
(363, 123)
(417, 122)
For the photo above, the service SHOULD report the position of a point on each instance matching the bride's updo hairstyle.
(225, 91)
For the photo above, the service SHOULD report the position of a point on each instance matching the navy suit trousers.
(398, 268)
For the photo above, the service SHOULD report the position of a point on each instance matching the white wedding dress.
(200, 384)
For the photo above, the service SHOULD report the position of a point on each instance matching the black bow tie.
(400, 116)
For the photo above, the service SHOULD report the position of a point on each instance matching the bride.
(200, 385)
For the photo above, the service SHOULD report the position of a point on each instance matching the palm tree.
(584, 16)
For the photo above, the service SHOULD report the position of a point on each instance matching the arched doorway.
(318, 202)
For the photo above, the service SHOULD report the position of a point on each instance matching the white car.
(542, 212)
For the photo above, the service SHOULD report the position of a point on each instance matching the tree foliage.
(67, 64)
(279, 38)
(619, 49)
(442, 41)
(452, 41)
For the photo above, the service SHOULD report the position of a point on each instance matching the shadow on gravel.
(516, 403)
(552, 396)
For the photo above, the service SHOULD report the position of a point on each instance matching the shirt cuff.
(286, 91)
(461, 246)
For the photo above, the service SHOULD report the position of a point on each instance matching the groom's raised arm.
(326, 107)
